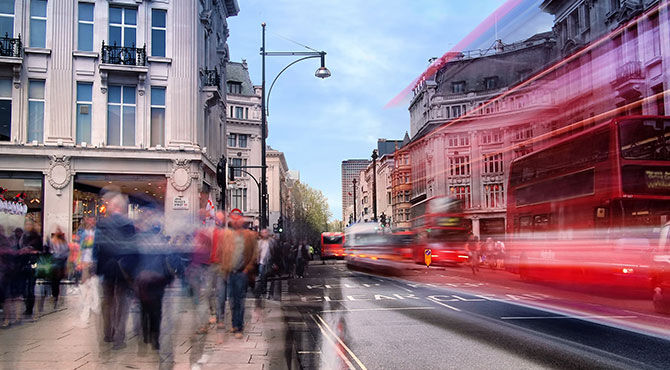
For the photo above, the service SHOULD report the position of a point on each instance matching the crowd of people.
(118, 262)
(490, 253)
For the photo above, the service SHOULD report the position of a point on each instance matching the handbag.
(45, 266)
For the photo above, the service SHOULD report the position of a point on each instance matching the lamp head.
(322, 72)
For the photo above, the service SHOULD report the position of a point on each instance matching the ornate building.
(123, 93)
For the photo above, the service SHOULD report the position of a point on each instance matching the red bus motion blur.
(589, 208)
(332, 245)
(444, 230)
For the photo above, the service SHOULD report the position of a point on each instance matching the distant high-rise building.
(350, 170)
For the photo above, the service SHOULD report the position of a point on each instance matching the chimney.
(244, 64)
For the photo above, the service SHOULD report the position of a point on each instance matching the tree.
(309, 213)
(335, 226)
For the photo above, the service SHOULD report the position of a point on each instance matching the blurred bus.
(589, 207)
(332, 245)
(444, 230)
(372, 247)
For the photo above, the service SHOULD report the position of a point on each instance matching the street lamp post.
(374, 183)
(322, 72)
(354, 181)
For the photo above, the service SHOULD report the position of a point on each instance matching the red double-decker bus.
(444, 230)
(332, 245)
(589, 207)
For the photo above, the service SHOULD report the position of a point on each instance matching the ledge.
(159, 60)
(37, 51)
(85, 54)
(123, 68)
(11, 60)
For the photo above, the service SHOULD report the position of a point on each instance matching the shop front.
(21, 200)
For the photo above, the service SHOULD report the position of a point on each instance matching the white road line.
(402, 287)
(351, 353)
(309, 352)
(566, 317)
(444, 304)
(381, 309)
(339, 352)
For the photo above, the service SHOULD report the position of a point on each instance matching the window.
(459, 165)
(491, 83)
(655, 36)
(122, 26)
(491, 137)
(408, 196)
(239, 199)
(456, 111)
(493, 163)
(494, 195)
(242, 140)
(38, 23)
(121, 115)
(158, 29)
(462, 192)
(232, 140)
(35, 110)
(238, 162)
(84, 105)
(234, 87)
(85, 27)
(614, 5)
(239, 112)
(458, 140)
(157, 116)
(522, 133)
(574, 23)
(5, 109)
(586, 16)
(522, 150)
(246, 113)
(7, 18)
(458, 87)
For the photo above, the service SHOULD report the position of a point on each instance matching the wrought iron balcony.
(124, 55)
(629, 71)
(210, 77)
(11, 47)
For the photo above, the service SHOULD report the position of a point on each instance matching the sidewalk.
(58, 340)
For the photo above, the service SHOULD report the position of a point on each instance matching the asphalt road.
(338, 318)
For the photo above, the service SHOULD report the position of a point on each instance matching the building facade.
(243, 138)
(401, 187)
(278, 192)
(111, 93)
(350, 171)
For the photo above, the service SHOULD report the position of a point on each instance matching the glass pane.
(113, 125)
(158, 43)
(6, 26)
(115, 15)
(38, 32)
(84, 91)
(5, 88)
(38, 8)
(158, 18)
(36, 90)
(83, 123)
(85, 37)
(157, 126)
(129, 95)
(129, 37)
(5, 120)
(35, 120)
(7, 6)
(128, 126)
(130, 16)
(86, 12)
(157, 96)
(114, 94)
(114, 35)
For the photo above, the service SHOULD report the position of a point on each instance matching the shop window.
(5, 109)
(122, 26)
(84, 106)
(22, 194)
(7, 18)
(157, 116)
(242, 140)
(35, 111)
(38, 23)
(121, 115)
(85, 26)
(158, 30)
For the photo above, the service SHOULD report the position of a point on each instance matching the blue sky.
(375, 49)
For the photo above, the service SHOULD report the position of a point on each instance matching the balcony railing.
(124, 55)
(11, 47)
(210, 77)
(629, 71)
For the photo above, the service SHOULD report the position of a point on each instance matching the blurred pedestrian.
(302, 258)
(472, 247)
(31, 248)
(500, 254)
(88, 288)
(200, 278)
(10, 282)
(238, 255)
(116, 251)
(59, 249)
(265, 244)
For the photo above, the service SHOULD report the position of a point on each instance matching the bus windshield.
(336, 239)
(648, 139)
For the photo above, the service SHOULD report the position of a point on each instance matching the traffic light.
(221, 172)
(275, 229)
(231, 174)
(382, 220)
(280, 225)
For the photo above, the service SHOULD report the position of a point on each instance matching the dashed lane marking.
(443, 304)
(380, 309)
(568, 317)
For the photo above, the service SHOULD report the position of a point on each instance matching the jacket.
(226, 246)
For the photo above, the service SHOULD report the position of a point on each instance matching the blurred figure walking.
(60, 250)
(88, 288)
(265, 244)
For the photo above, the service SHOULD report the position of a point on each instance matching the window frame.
(158, 29)
(122, 25)
(153, 106)
(37, 18)
(13, 17)
(122, 122)
(78, 104)
(28, 116)
(81, 22)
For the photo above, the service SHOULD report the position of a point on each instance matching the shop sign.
(180, 202)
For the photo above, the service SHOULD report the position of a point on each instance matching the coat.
(226, 246)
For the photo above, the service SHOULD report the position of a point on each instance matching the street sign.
(180, 202)
(428, 256)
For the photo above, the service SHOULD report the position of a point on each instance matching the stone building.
(350, 170)
(278, 183)
(124, 93)
(401, 187)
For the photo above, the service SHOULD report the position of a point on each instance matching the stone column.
(58, 193)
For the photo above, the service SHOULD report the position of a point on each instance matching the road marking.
(568, 317)
(351, 353)
(325, 334)
(381, 309)
(443, 304)
(309, 352)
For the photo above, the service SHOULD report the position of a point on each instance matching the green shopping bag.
(45, 266)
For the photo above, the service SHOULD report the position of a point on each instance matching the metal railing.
(210, 77)
(11, 47)
(124, 55)
(629, 71)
